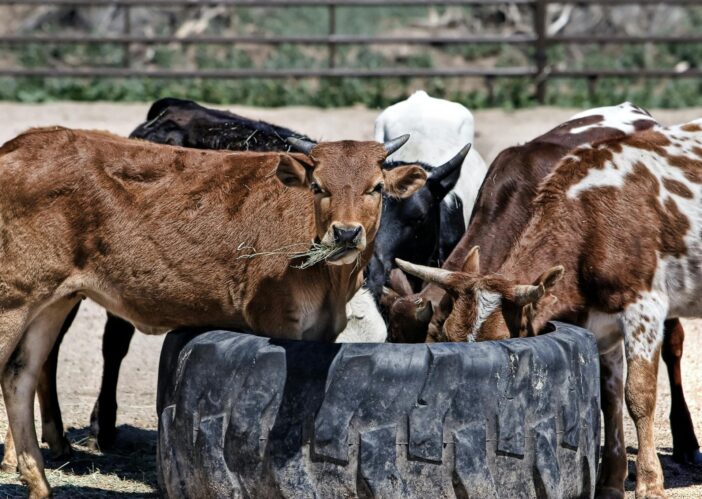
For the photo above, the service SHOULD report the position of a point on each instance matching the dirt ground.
(129, 470)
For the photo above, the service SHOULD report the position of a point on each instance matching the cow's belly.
(305, 313)
(159, 313)
(606, 328)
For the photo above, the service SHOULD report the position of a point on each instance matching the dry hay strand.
(314, 254)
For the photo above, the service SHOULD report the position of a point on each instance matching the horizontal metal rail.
(348, 39)
(627, 73)
(270, 73)
(540, 70)
(505, 72)
(270, 40)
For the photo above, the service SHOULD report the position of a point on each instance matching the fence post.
(332, 32)
(540, 54)
(126, 31)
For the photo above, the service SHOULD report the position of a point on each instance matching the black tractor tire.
(251, 417)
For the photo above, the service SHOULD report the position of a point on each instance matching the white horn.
(430, 274)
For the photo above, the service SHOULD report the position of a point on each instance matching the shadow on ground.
(126, 470)
(675, 475)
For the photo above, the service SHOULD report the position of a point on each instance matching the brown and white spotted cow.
(615, 245)
(505, 201)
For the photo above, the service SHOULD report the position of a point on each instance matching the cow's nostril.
(346, 236)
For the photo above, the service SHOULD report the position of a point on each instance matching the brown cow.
(505, 201)
(620, 222)
(168, 237)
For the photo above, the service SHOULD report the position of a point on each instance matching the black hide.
(185, 123)
(412, 229)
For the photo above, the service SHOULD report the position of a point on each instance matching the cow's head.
(410, 226)
(167, 121)
(408, 313)
(348, 182)
(486, 307)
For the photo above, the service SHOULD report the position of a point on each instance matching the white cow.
(365, 324)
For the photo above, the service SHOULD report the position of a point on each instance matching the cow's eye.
(377, 188)
(316, 188)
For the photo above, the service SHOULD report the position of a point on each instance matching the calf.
(77, 219)
(184, 123)
(616, 232)
(505, 201)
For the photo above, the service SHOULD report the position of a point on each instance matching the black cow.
(185, 123)
(414, 226)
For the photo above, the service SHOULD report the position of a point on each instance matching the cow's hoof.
(609, 493)
(92, 443)
(60, 450)
(650, 492)
(38, 492)
(103, 441)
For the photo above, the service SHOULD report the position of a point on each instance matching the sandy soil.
(129, 470)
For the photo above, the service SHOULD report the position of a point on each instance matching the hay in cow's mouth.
(316, 253)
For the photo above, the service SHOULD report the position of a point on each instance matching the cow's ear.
(549, 278)
(292, 172)
(403, 181)
(472, 263)
(388, 297)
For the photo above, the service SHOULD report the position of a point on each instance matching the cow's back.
(504, 203)
(643, 200)
(116, 216)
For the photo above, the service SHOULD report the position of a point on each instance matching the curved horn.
(424, 312)
(393, 145)
(399, 282)
(441, 171)
(301, 145)
(437, 276)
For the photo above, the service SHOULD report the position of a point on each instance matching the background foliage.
(507, 92)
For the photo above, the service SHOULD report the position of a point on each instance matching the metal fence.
(540, 70)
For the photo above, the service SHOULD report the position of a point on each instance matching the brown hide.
(164, 236)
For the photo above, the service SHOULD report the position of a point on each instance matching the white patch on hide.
(486, 302)
(642, 323)
(621, 117)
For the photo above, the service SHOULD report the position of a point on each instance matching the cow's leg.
(9, 457)
(51, 421)
(12, 325)
(613, 469)
(115, 345)
(686, 449)
(19, 382)
(643, 337)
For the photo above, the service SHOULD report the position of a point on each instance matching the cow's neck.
(546, 242)
(344, 281)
